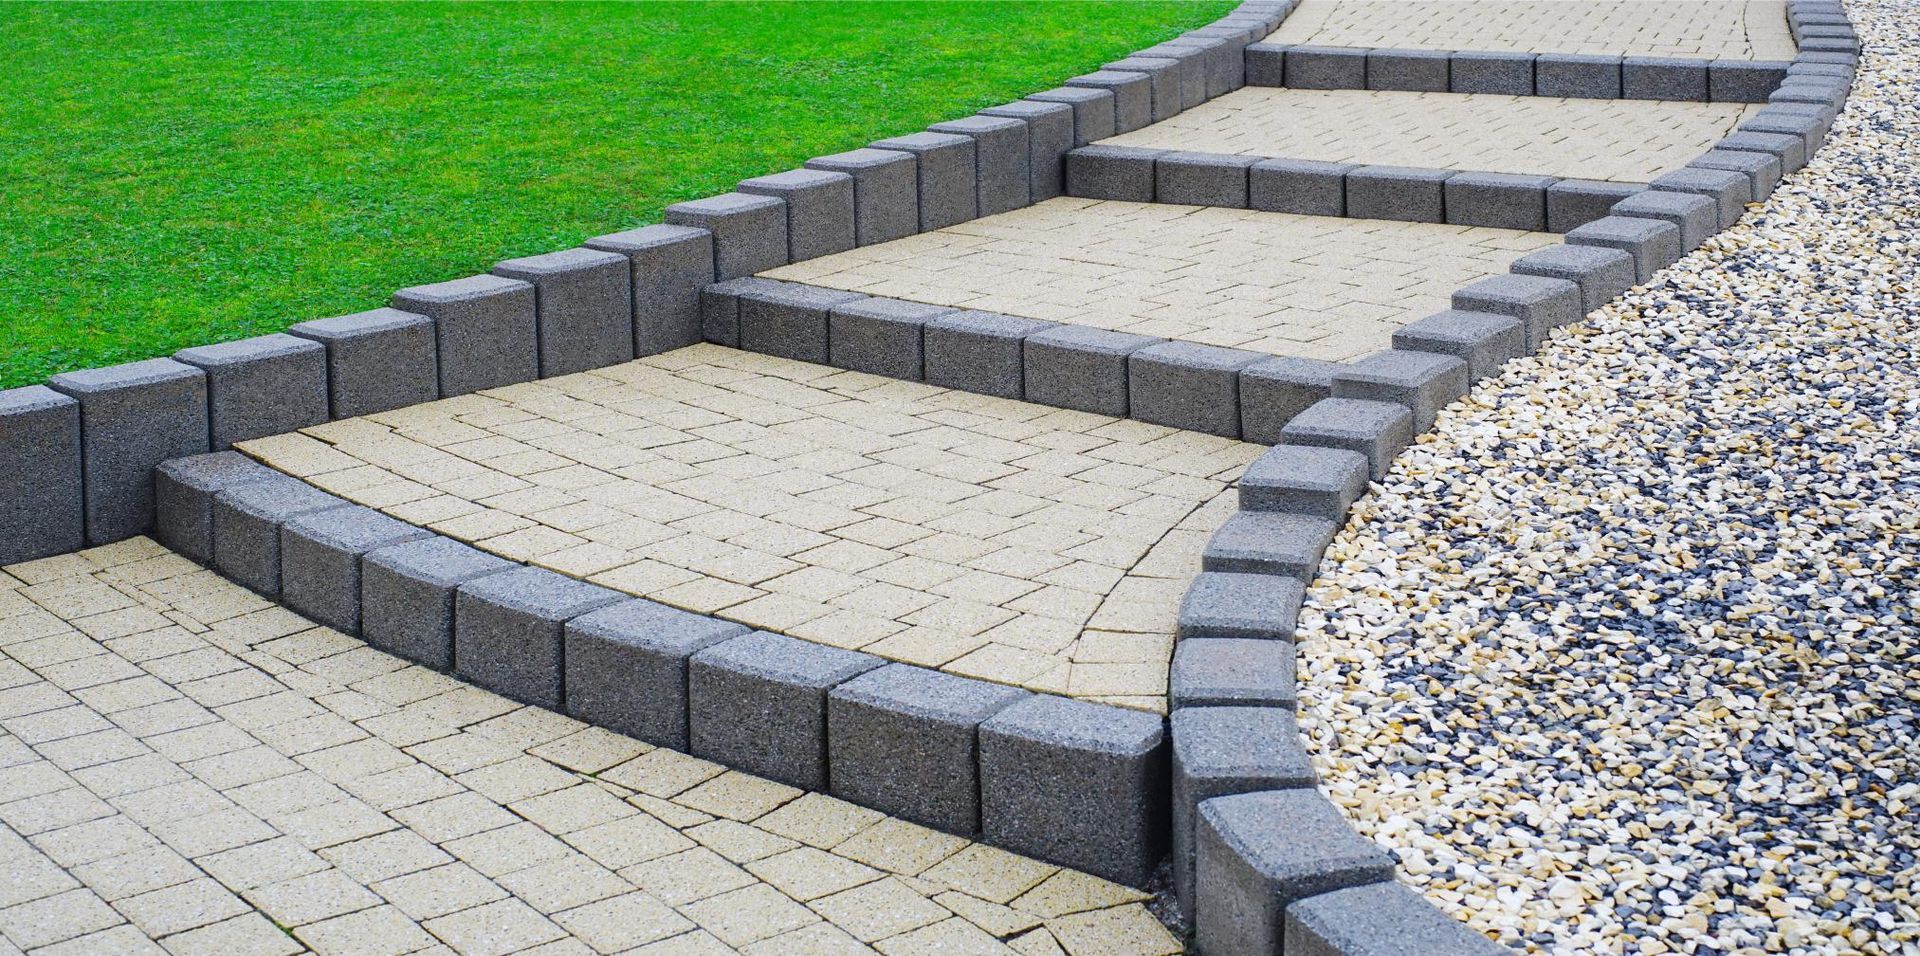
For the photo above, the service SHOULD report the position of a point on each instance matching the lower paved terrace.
(1304, 286)
(1703, 29)
(1619, 140)
(991, 538)
(181, 761)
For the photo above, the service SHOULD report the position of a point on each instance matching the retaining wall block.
(183, 490)
(132, 418)
(507, 631)
(1079, 784)
(407, 596)
(1822, 114)
(1322, 482)
(904, 740)
(1498, 200)
(1601, 273)
(1807, 128)
(947, 171)
(1653, 244)
(266, 385)
(1791, 150)
(1274, 390)
(670, 265)
(1201, 179)
(886, 192)
(1300, 186)
(1663, 78)
(626, 667)
(978, 351)
(1378, 430)
(1049, 137)
(1217, 59)
(1002, 169)
(820, 209)
(1543, 304)
(1189, 71)
(1326, 68)
(1509, 74)
(1697, 216)
(749, 232)
(1232, 672)
(1483, 340)
(1424, 382)
(583, 302)
(1403, 193)
(377, 361)
(1572, 203)
(880, 336)
(720, 307)
(1232, 63)
(1164, 76)
(1132, 96)
(1730, 191)
(1082, 368)
(42, 509)
(246, 527)
(1092, 113)
(1830, 45)
(1188, 385)
(789, 320)
(1269, 542)
(1226, 605)
(1418, 71)
(1258, 853)
(1743, 81)
(485, 331)
(758, 703)
(1762, 169)
(1219, 751)
(1112, 172)
(1577, 75)
(1379, 918)
(320, 556)
(1265, 64)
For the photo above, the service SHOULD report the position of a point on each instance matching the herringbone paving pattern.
(1707, 29)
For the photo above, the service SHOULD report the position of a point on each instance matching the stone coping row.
(1263, 862)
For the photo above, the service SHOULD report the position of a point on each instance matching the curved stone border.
(1578, 75)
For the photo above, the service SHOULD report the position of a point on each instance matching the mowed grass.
(178, 174)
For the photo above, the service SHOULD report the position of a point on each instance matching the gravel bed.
(1626, 657)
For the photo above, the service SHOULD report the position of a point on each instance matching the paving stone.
(1232, 672)
(1498, 200)
(1201, 179)
(978, 351)
(507, 634)
(1483, 340)
(1227, 750)
(1273, 391)
(670, 265)
(1112, 172)
(1762, 169)
(1509, 74)
(1188, 385)
(1697, 216)
(1744, 81)
(183, 493)
(820, 209)
(1601, 273)
(1542, 303)
(1572, 203)
(1093, 113)
(1266, 64)
(758, 702)
(1378, 430)
(749, 232)
(484, 331)
(1653, 244)
(1050, 135)
(377, 361)
(1002, 167)
(1791, 150)
(880, 336)
(583, 300)
(1730, 191)
(1163, 74)
(41, 492)
(246, 527)
(1303, 187)
(1379, 919)
(1230, 605)
(947, 176)
(1082, 368)
(1132, 96)
(1577, 75)
(1663, 78)
(626, 667)
(1269, 542)
(1404, 193)
(1260, 852)
(789, 320)
(407, 596)
(132, 418)
(267, 385)
(1424, 382)
(1075, 783)
(320, 561)
(720, 307)
(886, 192)
(1421, 71)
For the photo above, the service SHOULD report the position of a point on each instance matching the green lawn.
(172, 175)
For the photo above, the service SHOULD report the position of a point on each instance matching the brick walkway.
(183, 762)
(1711, 29)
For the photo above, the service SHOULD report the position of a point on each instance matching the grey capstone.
(1226, 750)
(1761, 169)
(407, 596)
(749, 232)
(1419, 71)
(583, 300)
(1815, 90)
(1049, 137)
(1572, 203)
(1232, 62)
(247, 518)
(508, 628)
(1483, 340)
(1082, 368)
(1092, 112)
(42, 510)
(1378, 430)
(946, 167)
(1807, 128)
(820, 207)
(1403, 193)
(1379, 919)
(1274, 390)
(720, 307)
(1663, 78)
(377, 361)
(1193, 65)
(1326, 68)
(1422, 381)
(1266, 64)
(1201, 179)
(1132, 96)
(1300, 186)
(1791, 149)
(789, 321)
(183, 490)
(1577, 75)
(1188, 385)
(1841, 45)
(1229, 605)
(1697, 216)
(1112, 172)
(1653, 244)
(267, 385)
(978, 351)
(1258, 853)
(1498, 200)
(1322, 482)
(758, 703)
(670, 265)
(320, 561)
(880, 336)
(886, 192)
(626, 667)
(1730, 191)
(1492, 72)
(132, 418)
(484, 329)
(1544, 304)
(1232, 672)
(1217, 62)
(1163, 82)
(1743, 81)
(1601, 273)
(1002, 168)
(1269, 542)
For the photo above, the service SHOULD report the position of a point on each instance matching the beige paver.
(299, 856)
(1619, 140)
(1306, 286)
(1715, 29)
(996, 539)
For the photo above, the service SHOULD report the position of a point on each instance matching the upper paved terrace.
(1704, 29)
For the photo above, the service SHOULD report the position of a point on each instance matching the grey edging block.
(758, 703)
(670, 264)
(484, 329)
(1258, 853)
(407, 596)
(1542, 303)
(946, 170)
(1132, 96)
(1079, 784)
(1189, 386)
(1762, 169)
(1577, 75)
(1653, 244)
(1112, 172)
(1510, 74)
(1418, 71)
(1730, 191)
(377, 360)
(1663, 78)
(1497, 200)
(320, 561)
(1002, 166)
(1201, 179)
(1092, 111)
(1744, 81)
(789, 320)
(1601, 273)
(1231, 605)
(1265, 64)
(1269, 542)
(1299, 186)
(1572, 203)
(1378, 430)
(1050, 134)
(42, 510)
(1302, 479)
(1190, 69)
(886, 192)
(626, 667)
(1807, 128)
(132, 418)
(1403, 193)
(904, 740)
(1483, 340)
(1790, 149)
(820, 209)
(1697, 216)
(880, 336)
(1274, 390)
(749, 232)
(583, 307)
(267, 385)
(1226, 750)
(1232, 672)
(507, 633)
(183, 490)
(720, 307)
(1326, 68)
(978, 352)
(1378, 918)
(1165, 98)
(1080, 367)
(247, 518)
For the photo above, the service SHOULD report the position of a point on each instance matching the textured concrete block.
(749, 232)
(1265, 64)
(484, 331)
(1807, 128)
(1163, 83)
(1424, 382)
(507, 631)
(1322, 482)
(1082, 368)
(1404, 193)
(1232, 672)
(1541, 303)
(1492, 72)
(1830, 92)
(1498, 200)
(1761, 169)
(1132, 96)
(583, 301)
(1576, 75)
(1829, 45)
(1049, 137)
(183, 490)
(1653, 244)
(1481, 339)
(1189, 70)
(1743, 81)
(1378, 430)
(670, 265)
(1258, 853)
(377, 361)
(1300, 186)
(1420, 71)
(978, 351)
(1229, 60)
(1269, 542)
(946, 168)
(1820, 113)
(820, 205)
(1663, 78)
(247, 518)
(720, 307)
(886, 192)
(42, 511)
(1274, 390)
(789, 320)
(1379, 919)
(1002, 171)
(1697, 216)
(758, 703)
(1201, 179)
(320, 557)
(1112, 172)
(132, 418)
(1080, 784)
(1326, 68)
(268, 385)
(407, 596)
(880, 336)
(1601, 273)
(1092, 112)
(626, 667)
(1572, 203)
(1227, 750)
(903, 740)
(1730, 191)
(1188, 385)
(1229, 605)
(1791, 150)
(1219, 61)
